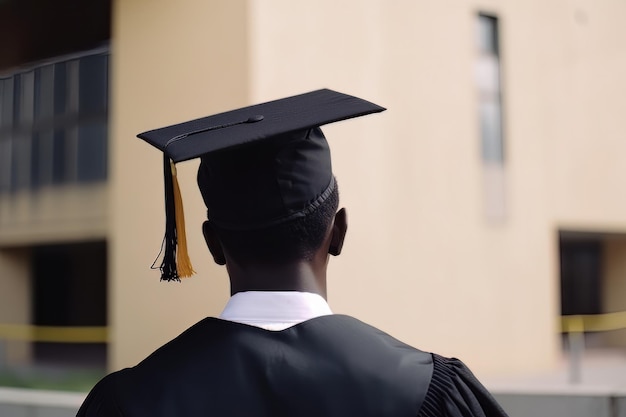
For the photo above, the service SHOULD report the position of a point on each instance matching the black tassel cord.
(169, 271)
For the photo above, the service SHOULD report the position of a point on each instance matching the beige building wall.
(422, 260)
(15, 302)
(614, 286)
(589, 93)
(54, 214)
(171, 61)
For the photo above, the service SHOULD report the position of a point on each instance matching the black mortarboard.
(260, 165)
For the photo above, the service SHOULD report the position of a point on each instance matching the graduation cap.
(260, 165)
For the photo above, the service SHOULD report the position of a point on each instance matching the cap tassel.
(176, 263)
(185, 269)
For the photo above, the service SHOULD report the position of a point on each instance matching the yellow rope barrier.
(55, 334)
(594, 322)
(99, 334)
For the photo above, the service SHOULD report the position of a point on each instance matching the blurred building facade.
(54, 101)
(482, 205)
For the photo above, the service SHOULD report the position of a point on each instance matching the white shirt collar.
(274, 310)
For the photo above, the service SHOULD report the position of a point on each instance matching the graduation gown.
(328, 366)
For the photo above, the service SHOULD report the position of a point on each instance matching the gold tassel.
(185, 269)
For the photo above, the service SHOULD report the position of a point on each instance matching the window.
(53, 123)
(488, 81)
(62, 296)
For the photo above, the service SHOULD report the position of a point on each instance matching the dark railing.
(54, 122)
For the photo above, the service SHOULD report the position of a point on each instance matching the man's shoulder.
(350, 327)
(213, 332)
(213, 343)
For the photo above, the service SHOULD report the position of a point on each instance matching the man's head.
(265, 170)
(297, 240)
(263, 184)
(270, 202)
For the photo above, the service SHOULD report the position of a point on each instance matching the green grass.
(78, 380)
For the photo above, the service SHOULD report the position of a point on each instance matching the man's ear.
(338, 233)
(214, 243)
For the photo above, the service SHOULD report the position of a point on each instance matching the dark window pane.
(35, 156)
(5, 163)
(41, 151)
(2, 88)
(6, 109)
(44, 157)
(27, 95)
(37, 93)
(581, 273)
(20, 168)
(491, 131)
(59, 158)
(61, 294)
(16, 100)
(92, 151)
(93, 84)
(488, 34)
(44, 93)
(488, 78)
(6, 103)
(60, 88)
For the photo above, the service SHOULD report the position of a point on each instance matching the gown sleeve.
(101, 400)
(455, 392)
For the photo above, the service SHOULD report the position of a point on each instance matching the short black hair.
(293, 240)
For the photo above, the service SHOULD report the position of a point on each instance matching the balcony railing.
(53, 122)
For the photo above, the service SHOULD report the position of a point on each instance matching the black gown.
(327, 366)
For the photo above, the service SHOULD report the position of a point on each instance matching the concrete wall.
(34, 403)
(555, 405)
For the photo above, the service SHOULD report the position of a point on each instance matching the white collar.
(274, 310)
